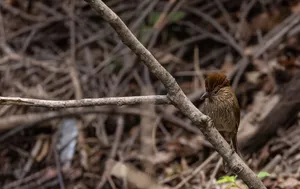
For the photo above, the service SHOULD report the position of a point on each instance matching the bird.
(221, 105)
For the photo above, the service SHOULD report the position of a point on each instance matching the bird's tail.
(234, 143)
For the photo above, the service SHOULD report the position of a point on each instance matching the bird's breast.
(220, 111)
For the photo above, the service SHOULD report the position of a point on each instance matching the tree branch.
(177, 97)
(154, 99)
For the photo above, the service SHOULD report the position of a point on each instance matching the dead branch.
(20, 122)
(177, 96)
(197, 170)
(155, 99)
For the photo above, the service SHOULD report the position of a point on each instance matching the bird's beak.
(204, 96)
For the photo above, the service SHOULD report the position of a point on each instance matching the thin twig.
(113, 152)
(213, 175)
(197, 170)
(18, 123)
(118, 135)
(199, 77)
(226, 15)
(222, 31)
(155, 99)
(72, 61)
(58, 165)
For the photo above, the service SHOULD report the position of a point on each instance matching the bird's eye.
(216, 90)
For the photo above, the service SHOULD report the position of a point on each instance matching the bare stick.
(154, 99)
(113, 152)
(214, 173)
(196, 171)
(178, 98)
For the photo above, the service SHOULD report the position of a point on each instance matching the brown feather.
(221, 99)
(214, 80)
(221, 105)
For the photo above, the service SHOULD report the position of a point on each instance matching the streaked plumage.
(221, 105)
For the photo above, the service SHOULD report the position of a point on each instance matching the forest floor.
(61, 50)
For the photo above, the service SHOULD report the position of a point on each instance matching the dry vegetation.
(60, 50)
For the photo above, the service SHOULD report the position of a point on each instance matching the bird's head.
(213, 83)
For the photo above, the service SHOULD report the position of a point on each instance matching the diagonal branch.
(177, 96)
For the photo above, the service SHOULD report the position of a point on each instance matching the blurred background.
(62, 50)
